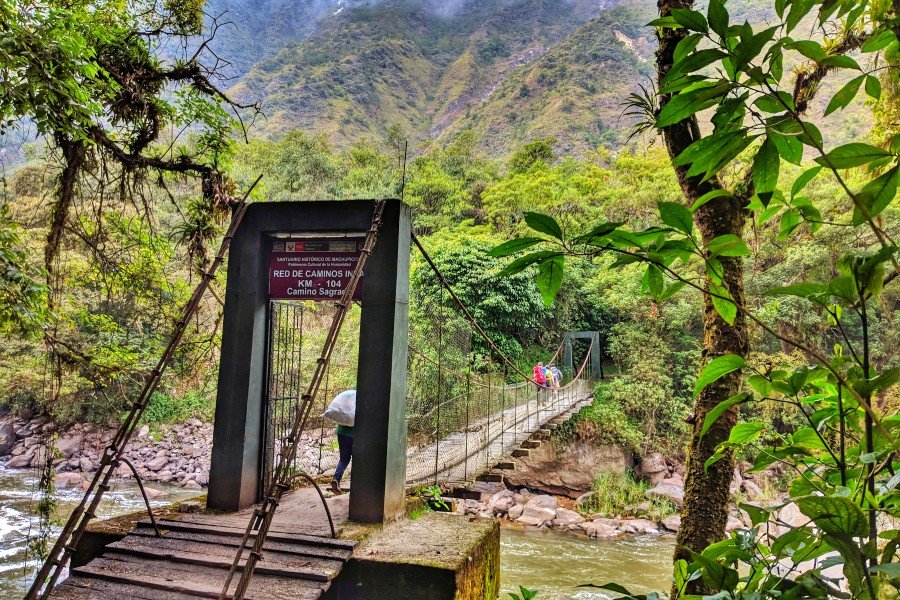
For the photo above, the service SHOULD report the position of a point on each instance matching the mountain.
(354, 68)
(509, 70)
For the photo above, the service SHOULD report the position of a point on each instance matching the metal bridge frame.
(378, 491)
(596, 356)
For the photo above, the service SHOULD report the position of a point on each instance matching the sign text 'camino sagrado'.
(313, 268)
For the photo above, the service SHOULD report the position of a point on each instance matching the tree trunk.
(707, 492)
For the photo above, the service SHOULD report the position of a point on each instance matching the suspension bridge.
(467, 406)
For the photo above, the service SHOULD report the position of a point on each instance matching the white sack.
(342, 409)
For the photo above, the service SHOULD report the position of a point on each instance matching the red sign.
(313, 268)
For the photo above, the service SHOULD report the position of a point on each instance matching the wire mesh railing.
(467, 406)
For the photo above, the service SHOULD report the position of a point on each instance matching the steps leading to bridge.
(192, 558)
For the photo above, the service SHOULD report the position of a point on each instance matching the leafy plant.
(433, 498)
(845, 455)
(524, 594)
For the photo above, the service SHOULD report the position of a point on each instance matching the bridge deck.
(192, 558)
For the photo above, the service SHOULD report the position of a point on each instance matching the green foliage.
(531, 154)
(524, 594)
(510, 309)
(23, 307)
(619, 493)
(195, 404)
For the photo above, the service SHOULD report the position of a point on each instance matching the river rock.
(614, 523)
(600, 530)
(68, 446)
(543, 502)
(565, 518)
(40, 456)
(158, 463)
(21, 461)
(7, 438)
(192, 485)
(641, 526)
(570, 473)
(515, 511)
(790, 517)
(733, 524)
(653, 468)
(85, 464)
(536, 515)
(153, 493)
(673, 493)
(501, 502)
(672, 523)
(67, 480)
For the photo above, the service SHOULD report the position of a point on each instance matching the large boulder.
(501, 502)
(653, 468)
(543, 502)
(67, 480)
(790, 517)
(673, 493)
(568, 471)
(516, 511)
(158, 463)
(672, 523)
(540, 510)
(639, 526)
(68, 446)
(600, 530)
(21, 461)
(7, 438)
(565, 518)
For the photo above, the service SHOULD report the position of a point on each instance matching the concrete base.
(439, 556)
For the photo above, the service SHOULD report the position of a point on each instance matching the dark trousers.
(345, 446)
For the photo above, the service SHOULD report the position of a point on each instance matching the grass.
(618, 494)
(164, 408)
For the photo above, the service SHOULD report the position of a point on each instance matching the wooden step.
(299, 549)
(505, 466)
(521, 452)
(193, 580)
(490, 477)
(199, 527)
(83, 588)
(209, 555)
(531, 444)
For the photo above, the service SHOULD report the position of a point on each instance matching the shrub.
(164, 408)
(619, 494)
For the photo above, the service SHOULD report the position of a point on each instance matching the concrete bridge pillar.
(379, 460)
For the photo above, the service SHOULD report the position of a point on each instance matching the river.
(557, 563)
(18, 498)
(553, 563)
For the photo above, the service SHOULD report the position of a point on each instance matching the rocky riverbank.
(177, 454)
(170, 454)
(517, 505)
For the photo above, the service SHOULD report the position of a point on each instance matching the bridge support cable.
(472, 422)
(282, 477)
(112, 457)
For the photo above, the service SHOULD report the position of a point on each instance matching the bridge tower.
(324, 236)
(596, 355)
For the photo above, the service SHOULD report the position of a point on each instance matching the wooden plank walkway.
(192, 558)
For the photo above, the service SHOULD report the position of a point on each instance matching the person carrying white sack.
(342, 411)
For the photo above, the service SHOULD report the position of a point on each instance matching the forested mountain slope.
(510, 70)
(403, 62)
